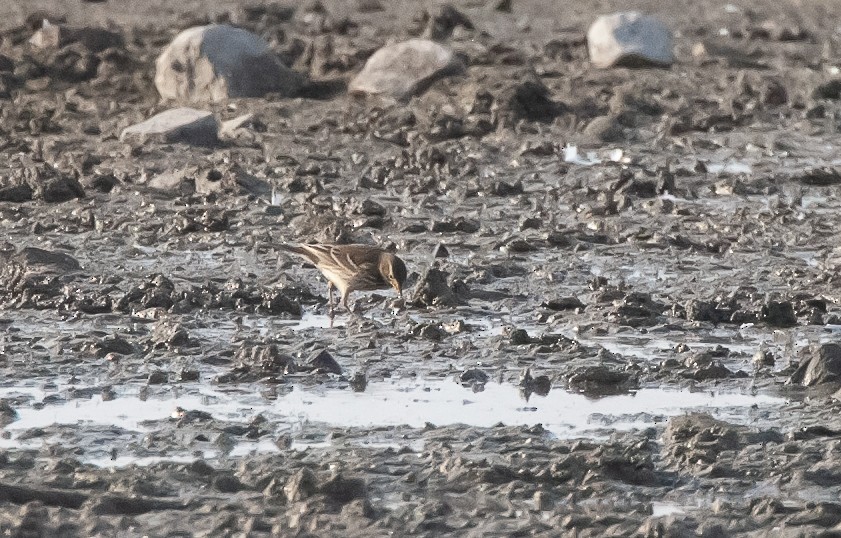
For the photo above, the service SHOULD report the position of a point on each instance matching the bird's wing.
(347, 258)
(359, 256)
(315, 253)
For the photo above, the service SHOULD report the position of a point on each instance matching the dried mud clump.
(259, 363)
(639, 241)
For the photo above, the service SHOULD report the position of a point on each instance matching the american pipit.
(354, 267)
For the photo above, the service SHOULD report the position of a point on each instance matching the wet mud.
(622, 307)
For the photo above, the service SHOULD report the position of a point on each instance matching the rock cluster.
(219, 62)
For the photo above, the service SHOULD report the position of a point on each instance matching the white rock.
(48, 37)
(631, 39)
(237, 127)
(404, 69)
(240, 122)
(217, 62)
(175, 125)
(167, 181)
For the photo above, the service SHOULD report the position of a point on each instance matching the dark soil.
(702, 257)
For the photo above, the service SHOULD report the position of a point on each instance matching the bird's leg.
(345, 296)
(330, 299)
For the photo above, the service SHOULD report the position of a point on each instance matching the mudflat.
(621, 316)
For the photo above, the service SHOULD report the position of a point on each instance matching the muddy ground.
(598, 343)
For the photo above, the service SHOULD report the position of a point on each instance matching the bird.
(353, 268)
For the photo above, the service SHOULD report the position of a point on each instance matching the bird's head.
(394, 271)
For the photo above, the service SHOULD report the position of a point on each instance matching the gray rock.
(201, 468)
(54, 36)
(241, 127)
(61, 189)
(232, 179)
(823, 365)
(602, 129)
(16, 193)
(714, 370)
(519, 337)
(440, 251)
(168, 181)
(342, 489)
(564, 303)
(175, 125)
(33, 258)
(239, 122)
(169, 335)
(763, 357)
(432, 288)
(600, 380)
(113, 344)
(405, 69)
(227, 484)
(358, 382)
(300, 486)
(7, 413)
(100, 182)
(778, 314)
(473, 376)
(217, 62)
(629, 39)
(324, 363)
(524, 97)
(822, 514)
(504, 6)
(442, 20)
(48, 37)
(157, 377)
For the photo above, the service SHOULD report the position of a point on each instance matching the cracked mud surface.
(607, 341)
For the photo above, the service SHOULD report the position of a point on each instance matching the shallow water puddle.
(562, 413)
(309, 320)
(663, 509)
(391, 403)
(730, 167)
(124, 461)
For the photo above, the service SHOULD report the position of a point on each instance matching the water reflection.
(403, 402)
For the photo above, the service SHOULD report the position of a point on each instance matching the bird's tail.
(305, 251)
(295, 249)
